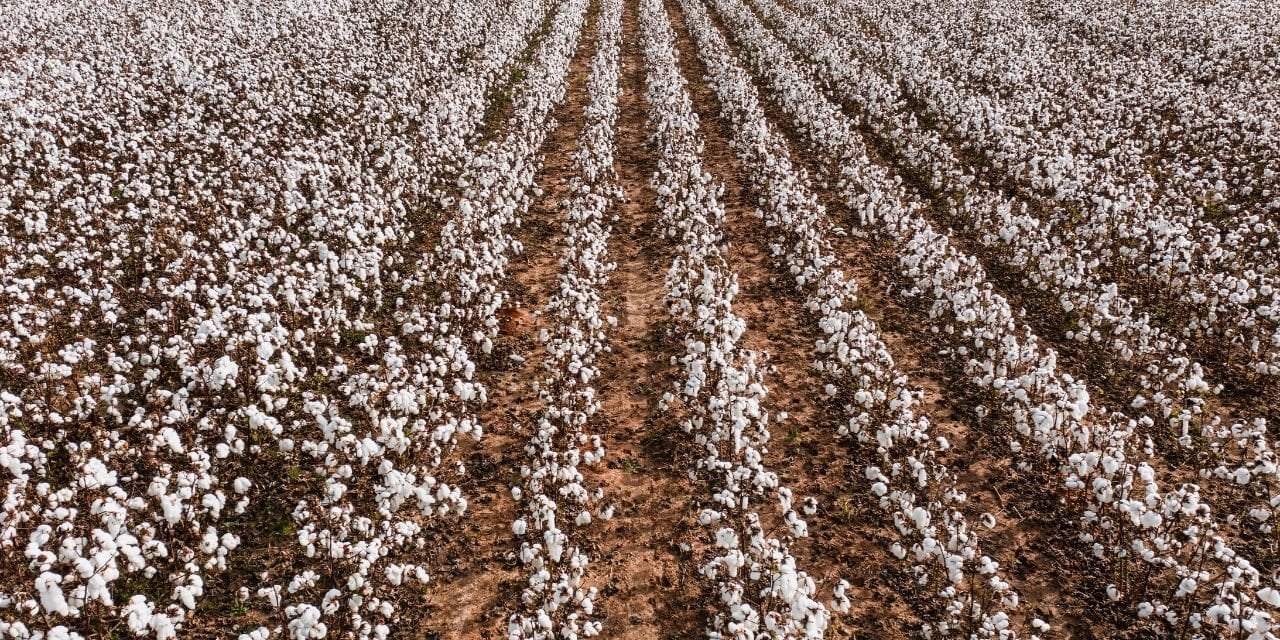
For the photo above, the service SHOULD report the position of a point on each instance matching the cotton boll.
(726, 539)
(1270, 596)
(840, 602)
(52, 599)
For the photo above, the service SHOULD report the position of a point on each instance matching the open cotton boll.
(1269, 596)
(52, 599)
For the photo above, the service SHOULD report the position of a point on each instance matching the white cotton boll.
(209, 541)
(1242, 476)
(1040, 625)
(164, 627)
(1270, 596)
(241, 485)
(265, 350)
(519, 527)
(1113, 592)
(726, 539)
(307, 624)
(172, 440)
(920, 517)
(810, 506)
(583, 519)
(528, 553)
(840, 602)
(60, 632)
(137, 614)
(51, 596)
(223, 373)
(1081, 408)
(1219, 613)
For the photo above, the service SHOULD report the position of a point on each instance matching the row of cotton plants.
(1160, 223)
(919, 494)
(761, 591)
(201, 353)
(1171, 386)
(1197, 578)
(556, 502)
(468, 268)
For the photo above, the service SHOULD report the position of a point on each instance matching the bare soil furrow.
(650, 586)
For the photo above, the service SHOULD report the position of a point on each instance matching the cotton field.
(638, 319)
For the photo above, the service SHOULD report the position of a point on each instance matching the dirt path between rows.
(651, 587)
